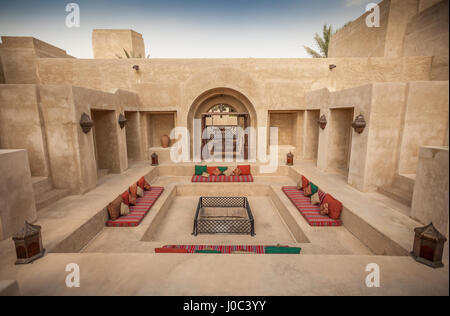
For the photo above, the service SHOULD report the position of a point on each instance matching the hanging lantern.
(28, 242)
(428, 246)
(359, 124)
(155, 159)
(86, 123)
(290, 159)
(322, 121)
(122, 120)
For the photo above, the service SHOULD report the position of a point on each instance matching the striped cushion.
(246, 178)
(310, 212)
(222, 249)
(138, 212)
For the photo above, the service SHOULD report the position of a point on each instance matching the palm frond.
(322, 43)
(312, 52)
(126, 53)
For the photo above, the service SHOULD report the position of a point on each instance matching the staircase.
(44, 193)
(401, 189)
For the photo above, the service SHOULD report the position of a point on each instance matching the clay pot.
(165, 141)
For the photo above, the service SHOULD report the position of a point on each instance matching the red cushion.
(133, 194)
(305, 183)
(245, 170)
(334, 206)
(141, 183)
(171, 250)
(126, 197)
(211, 170)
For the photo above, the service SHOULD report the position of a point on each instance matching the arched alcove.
(221, 95)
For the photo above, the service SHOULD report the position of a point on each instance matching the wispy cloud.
(351, 3)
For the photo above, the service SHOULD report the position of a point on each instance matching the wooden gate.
(225, 134)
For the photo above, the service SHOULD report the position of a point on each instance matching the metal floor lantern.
(28, 242)
(428, 246)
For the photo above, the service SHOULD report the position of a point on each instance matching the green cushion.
(314, 188)
(207, 251)
(222, 169)
(283, 250)
(200, 169)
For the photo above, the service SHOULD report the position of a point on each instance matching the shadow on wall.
(2, 76)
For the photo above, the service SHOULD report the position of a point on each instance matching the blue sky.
(185, 28)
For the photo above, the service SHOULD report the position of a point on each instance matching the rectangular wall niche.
(106, 141)
(311, 135)
(290, 131)
(340, 139)
(132, 131)
(159, 124)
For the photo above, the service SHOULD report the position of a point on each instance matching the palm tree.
(322, 43)
(131, 54)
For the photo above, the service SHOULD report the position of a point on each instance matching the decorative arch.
(205, 101)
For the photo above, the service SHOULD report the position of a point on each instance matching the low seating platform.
(138, 211)
(309, 211)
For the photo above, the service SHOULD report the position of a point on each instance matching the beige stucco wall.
(109, 44)
(357, 40)
(340, 139)
(42, 49)
(407, 28)
(425, 4)
(66, 146)
(21, 126)
(174, 85)
(376, 152)
(384, 129)
(311, 135)
(18, 57)
(287, 127)
(133, 131)
(431, 200)
(425, 123)
(116, 137)
(16, 192)
(44, 120)
(427, 35)
(19, 65)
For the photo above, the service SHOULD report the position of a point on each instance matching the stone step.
(50, 197)
(41, 185)
(398, 195)
(404, 182)
(102, 172)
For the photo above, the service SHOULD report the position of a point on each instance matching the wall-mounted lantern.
(122, 120)
(136, 67)
(359, 124)
(155, 159)
(28, 242)
(322, 121)
(290, 159)
(86, 123)
(332, 66)
(428, 246)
